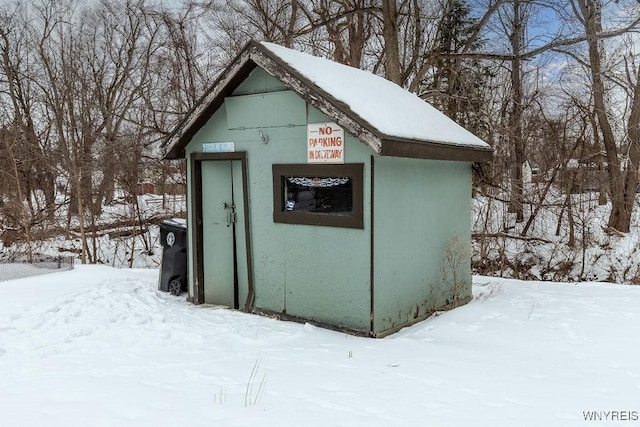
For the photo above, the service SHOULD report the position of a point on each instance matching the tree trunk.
(631, 179)
(393, 70)
(620, 215)
(515, 119)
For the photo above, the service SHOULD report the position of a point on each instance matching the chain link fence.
(18, 266)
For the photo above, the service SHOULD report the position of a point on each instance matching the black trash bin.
(173, 272)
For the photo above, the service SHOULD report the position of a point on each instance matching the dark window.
(314, 194)
(329, 195)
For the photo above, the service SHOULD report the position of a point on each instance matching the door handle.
(231, 215)
(231, 218)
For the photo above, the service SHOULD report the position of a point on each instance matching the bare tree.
(27, 151)
(622, 185)
(96, 64)
(516, 136)
(392, 65)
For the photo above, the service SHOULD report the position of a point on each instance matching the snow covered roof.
(391, 120)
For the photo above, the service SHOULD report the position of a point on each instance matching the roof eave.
(394, 147)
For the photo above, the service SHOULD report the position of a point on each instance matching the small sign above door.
(218, 147)
(325, 143)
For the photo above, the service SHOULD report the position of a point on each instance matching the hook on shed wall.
(263, 137)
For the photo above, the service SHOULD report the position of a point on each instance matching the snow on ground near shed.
(383, 104)
(101, 346)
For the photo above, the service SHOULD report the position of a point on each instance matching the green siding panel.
(422, 207)
(259, 81)
(265, 110)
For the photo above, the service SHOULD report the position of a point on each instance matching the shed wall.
(319, 273)
(421, 208)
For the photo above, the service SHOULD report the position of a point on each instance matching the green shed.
(322, 193)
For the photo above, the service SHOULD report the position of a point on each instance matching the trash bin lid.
(175, 222)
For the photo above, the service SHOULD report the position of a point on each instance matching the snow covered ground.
(98, 346)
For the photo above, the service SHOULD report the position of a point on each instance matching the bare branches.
(89, 89)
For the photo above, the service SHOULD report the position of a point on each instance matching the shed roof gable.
(389, 119)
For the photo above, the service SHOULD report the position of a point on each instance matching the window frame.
(355, 171)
